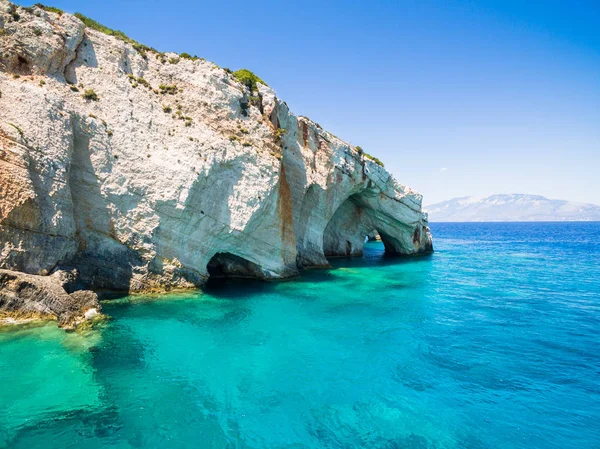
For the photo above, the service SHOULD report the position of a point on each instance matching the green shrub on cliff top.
(368, 156)
(58, 11)
(185, 55)
(91, 23)
(248, 79)
(374, 159)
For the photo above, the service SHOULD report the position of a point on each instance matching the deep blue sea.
(492, 342)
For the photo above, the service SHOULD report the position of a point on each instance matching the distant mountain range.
(514, 207)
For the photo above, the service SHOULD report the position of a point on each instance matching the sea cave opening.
(227, 265)
(353, 229)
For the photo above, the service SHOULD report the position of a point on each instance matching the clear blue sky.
(456, 97)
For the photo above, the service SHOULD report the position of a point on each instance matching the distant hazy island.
(512, 207)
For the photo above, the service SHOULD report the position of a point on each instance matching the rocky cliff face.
(148, 171)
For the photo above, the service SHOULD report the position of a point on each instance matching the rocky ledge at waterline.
(127, 169)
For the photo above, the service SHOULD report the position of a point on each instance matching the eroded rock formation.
(27, 296)
(141, 169)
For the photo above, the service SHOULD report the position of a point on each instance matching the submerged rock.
(142, 171)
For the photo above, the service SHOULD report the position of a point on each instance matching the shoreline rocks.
(27, 297)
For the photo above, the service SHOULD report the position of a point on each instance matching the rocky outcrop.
(27, 296)
(148, 171)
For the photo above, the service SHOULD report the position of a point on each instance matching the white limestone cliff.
(145, 171)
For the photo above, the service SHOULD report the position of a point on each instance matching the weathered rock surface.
(175, 169)
(30, 296)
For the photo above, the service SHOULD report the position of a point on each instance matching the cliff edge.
(141, 171)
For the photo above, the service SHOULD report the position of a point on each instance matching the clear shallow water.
(492, 342)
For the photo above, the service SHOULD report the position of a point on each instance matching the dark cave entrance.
(228, 265)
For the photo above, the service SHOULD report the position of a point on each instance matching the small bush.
(58, 11)
(173, 60)
(245, 143)
(248, 79)
(138, 80)
(74, 88)
(37, 32)
(280, 132)
(42, 82)
(89, 94)
(109, 133)
(3, 32)
(167, 109)
(91, 23)
(170, 89)
(188, 56)
(142, 49)
(374, 159)
(234, 138)
(362, 152)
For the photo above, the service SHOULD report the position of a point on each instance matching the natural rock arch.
(345, 233)
(363, 213)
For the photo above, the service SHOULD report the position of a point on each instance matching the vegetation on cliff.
(248, 79)
(368, 156)
(91, 23)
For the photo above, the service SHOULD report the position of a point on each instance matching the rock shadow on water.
(238, 288)
(82, 425)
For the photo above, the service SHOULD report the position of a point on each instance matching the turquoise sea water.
(492, 342)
